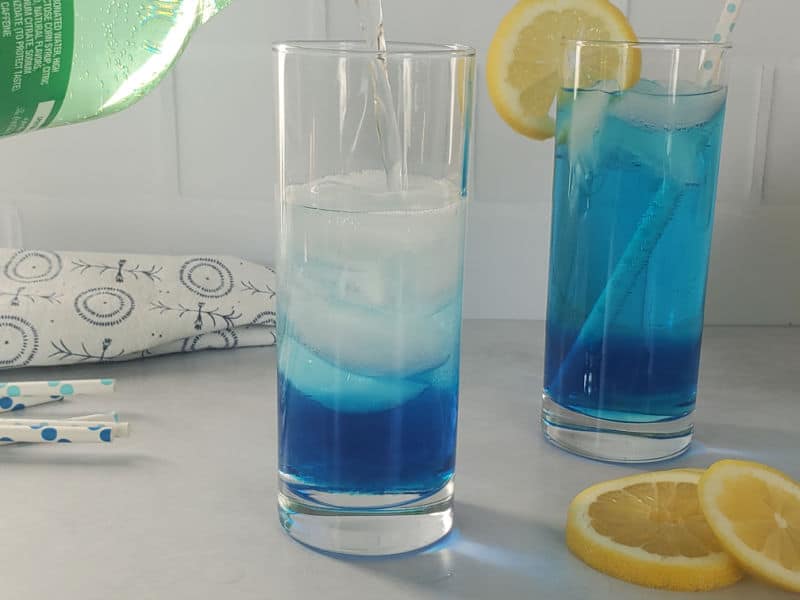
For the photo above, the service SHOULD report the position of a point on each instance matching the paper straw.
(8, 404)
(118, 429)
(651, 227)
(635, 258)
(52, 435)
(709, 63)
(90, 387)
(109, 417)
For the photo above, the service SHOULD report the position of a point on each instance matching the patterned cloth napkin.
(80, 307)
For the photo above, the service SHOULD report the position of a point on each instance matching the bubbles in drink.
(372, 262)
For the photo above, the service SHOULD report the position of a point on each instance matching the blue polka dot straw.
(709, 65)
(41, 392)
(49, 433)
(16, 403)
(106, 426)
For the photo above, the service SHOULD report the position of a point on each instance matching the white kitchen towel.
(81, 307)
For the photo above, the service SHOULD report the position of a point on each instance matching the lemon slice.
(755, 512)
(526, 54)
(648, 529)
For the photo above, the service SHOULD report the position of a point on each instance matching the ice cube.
(365, 272)
(588, 112)
(653, 103)
(367, 341)
(341, 390)
(386, 249)
(650, 87)
(661, 136)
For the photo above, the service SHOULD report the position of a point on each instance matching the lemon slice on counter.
(526, 55)
(649, 529)
(754, 511)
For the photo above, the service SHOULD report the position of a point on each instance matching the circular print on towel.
(33, 266)
(207, 277)
(264, 319)
(19, 341)
(216, 340)
(104, 306)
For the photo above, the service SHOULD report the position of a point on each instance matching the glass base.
(614, 441)
(348, 524)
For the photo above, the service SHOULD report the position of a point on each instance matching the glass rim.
(358, 48)
(665, 43)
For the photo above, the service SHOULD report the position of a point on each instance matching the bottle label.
(36, 42)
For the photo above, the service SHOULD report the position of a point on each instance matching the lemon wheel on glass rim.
(523, 68)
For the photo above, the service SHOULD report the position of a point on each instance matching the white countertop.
(185, 507)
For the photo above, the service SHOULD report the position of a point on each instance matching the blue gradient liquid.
(637, 359)
(406, 449)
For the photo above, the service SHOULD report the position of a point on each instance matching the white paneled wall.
(191, 168)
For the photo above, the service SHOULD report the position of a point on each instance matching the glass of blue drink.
(636, 165)
(370, 283)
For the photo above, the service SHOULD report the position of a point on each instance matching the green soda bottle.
(66, 61)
